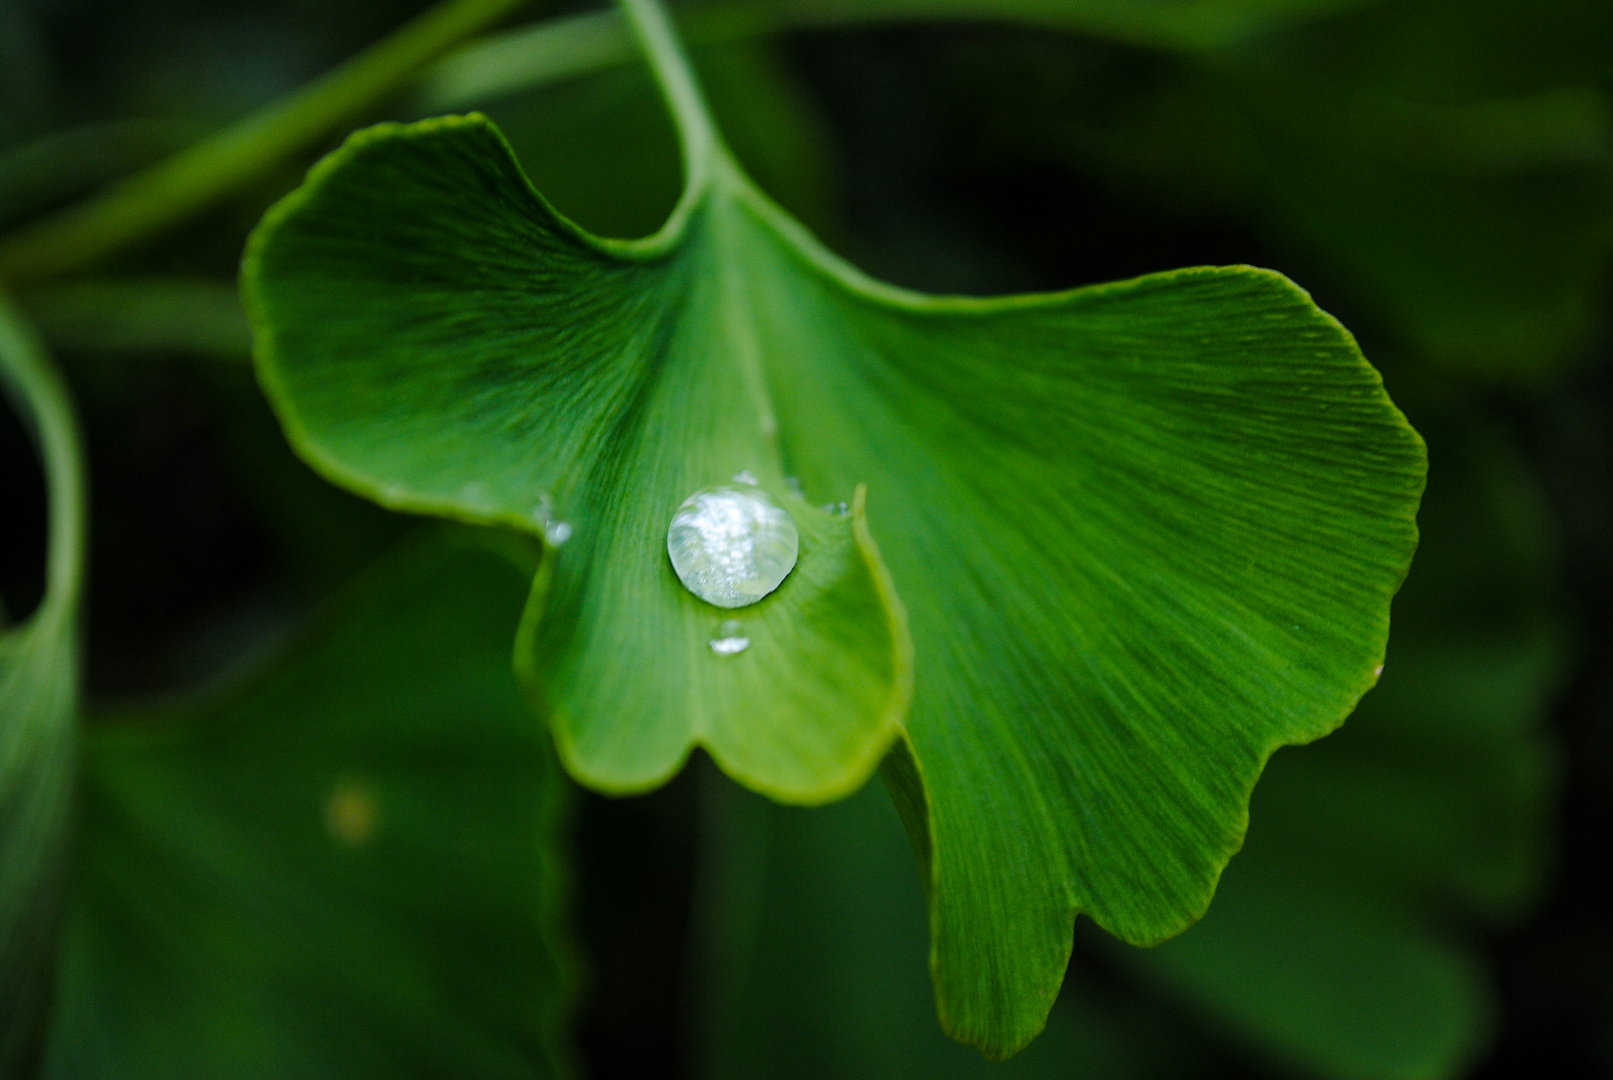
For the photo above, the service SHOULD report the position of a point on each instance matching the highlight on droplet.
(730, 638)
(555, 531)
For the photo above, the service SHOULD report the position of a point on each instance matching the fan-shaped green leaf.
(1144, 533)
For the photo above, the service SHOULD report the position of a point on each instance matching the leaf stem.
(648, 22)
(42, 398)
(170, 191)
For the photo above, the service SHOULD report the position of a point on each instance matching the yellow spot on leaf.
(352, 813)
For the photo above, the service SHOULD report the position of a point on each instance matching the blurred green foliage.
(1436, 172)
(39, 693)
(346, 862)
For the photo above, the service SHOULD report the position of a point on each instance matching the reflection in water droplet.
(729, 640)
(794, 484)
(731, 546)
(745, 476)
(838, 509)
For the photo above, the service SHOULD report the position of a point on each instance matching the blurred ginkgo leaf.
(39, 682)
(349, 864)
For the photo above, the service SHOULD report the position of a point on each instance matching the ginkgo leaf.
(38, 705)
(346, 864)
(1143, 533)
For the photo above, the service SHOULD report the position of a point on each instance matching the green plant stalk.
(697, 136)
(172, 190)
(42, 398)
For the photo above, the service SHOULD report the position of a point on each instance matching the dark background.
(977, 159)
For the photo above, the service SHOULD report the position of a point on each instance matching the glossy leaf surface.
(1143, 533)
(347, 865)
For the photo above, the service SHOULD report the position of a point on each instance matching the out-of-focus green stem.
(168, 192)
(28, 374)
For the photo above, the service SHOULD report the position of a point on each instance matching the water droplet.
(555, 531)
(794, 484)
(838, 509)
(729, 640)
(731, 546)
(745, 476)
(1377, 671)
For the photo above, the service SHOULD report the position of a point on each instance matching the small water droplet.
(838, 509)
(794, 484)
(1377, 671)
(729, 639)
(731, 546)
(555, 531)
(745, 476)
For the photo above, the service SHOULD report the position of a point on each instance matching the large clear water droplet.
(732, 545)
